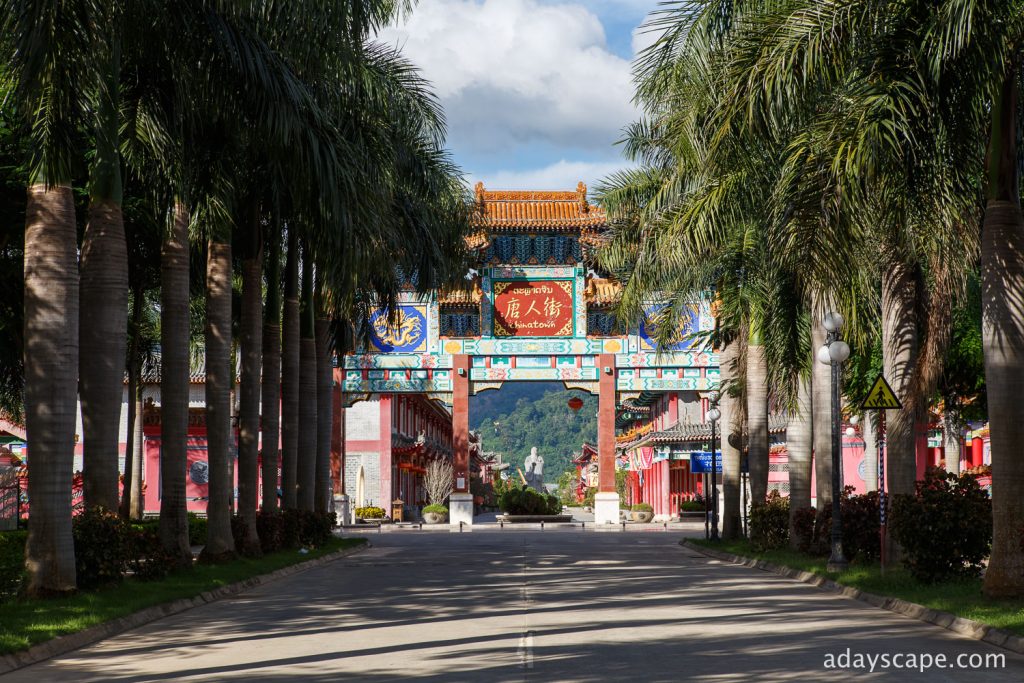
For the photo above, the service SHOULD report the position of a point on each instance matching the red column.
(977, 451)
(666, 487)
(460, 421)
(606, 424)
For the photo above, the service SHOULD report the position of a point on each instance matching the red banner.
(533, 308)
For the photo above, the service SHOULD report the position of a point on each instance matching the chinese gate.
(537, 312)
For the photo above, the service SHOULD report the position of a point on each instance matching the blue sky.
(535, 91)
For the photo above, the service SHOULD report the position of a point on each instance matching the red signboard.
(533, 308)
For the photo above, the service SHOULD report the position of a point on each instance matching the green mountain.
(519, 416)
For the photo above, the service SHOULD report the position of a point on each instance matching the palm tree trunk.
(757, 418)
(220, 545)
(51, 354)
(135, 511)
(951, 443)
(800, 441)
(134, 372)
(899, 358)
(290, 376)
(1002, 279)
(272, 374)
(307, 391)
(821, 416)
(324, 417)
(174, 385)
(251, 349)
(732, 526)
(104, 305)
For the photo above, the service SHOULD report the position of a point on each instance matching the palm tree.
(325, 414)
(174, 384)
(306, 478)
(757, 415)
(143, 336)
(290, 376)
(731, 444)
(220, 544)
(49, 51)
(51, 346)
(104, 283)
(251, 347)
(799, 440)
(272, 370)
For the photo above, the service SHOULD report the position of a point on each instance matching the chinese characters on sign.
(534, 308)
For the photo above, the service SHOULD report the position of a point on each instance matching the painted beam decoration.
(533, 308)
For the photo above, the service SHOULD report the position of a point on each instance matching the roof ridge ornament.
(581, 193)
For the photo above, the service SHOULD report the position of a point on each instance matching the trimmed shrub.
(945, 528)
(439, 509)
(102, 547)
(643, 507)
(692, 506)
(525, 501)
(291, 529)
(769, 523)
(805, 531)
(147, 558)
(196, 529)
(554, 505)
(303, 528)
(317, 528)
(12, 563)
(860, 527)
(269, 525)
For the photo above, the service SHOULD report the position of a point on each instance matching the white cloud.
(562, 175)
(643, 38)
(514, 73)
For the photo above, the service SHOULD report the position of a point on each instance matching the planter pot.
(643, 516)
(435, 517)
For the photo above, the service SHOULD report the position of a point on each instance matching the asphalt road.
(517, 605)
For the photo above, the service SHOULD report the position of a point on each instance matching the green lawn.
(962, 598)
(25, 623)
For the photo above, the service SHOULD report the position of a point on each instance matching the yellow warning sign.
(881, 397)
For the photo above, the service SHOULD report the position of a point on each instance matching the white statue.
(534, 465)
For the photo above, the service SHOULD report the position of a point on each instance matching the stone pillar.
(384, 499)
(460, 508)
(606, 501)
(341, 500)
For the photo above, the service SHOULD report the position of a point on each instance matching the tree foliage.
(540, 418)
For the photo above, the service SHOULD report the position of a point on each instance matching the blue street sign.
(700, 462)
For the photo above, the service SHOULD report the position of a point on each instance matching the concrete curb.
(975, 630)
(73, 641)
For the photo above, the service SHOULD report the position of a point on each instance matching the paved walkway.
(521, 605)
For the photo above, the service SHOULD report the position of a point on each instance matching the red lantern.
(575, 403)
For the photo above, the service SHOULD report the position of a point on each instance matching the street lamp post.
(714, 414)
(833, 353)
